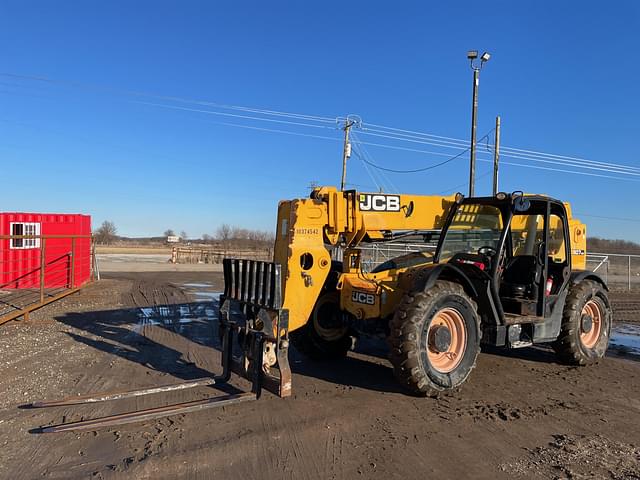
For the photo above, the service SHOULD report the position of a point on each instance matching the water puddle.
(625, 339)
(201, 291)
(207, 296)
(192, 320)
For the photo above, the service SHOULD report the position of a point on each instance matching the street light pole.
(472, 55)
(474, 121)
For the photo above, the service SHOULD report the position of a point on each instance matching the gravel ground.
(520, 415)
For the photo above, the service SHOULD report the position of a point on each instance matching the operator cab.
(514, 245)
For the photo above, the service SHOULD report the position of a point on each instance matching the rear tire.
(584, 341)
(324, 337)
(427, 359)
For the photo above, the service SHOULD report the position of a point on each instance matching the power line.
(414, 132)
(112, 90)
(225, 114)
(621, 170)
(453, 141)
(587, 167)
(562, 170)
(424, 142)
(402, 135)
(567, 158)
(383, 178)
(274, 130)
(430, 167)
(515, 153)
(622, 219)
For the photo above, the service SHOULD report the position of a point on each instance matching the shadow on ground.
(161, 338)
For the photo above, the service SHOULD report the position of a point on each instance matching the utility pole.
(472, 55)
(346, 150)
(496, 156)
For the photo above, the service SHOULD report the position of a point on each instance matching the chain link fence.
(620, 271)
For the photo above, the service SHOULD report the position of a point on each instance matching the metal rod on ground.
(496, 156)
(346, 151)
(104, 397)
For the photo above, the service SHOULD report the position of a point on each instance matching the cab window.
(557, 247)
(527, 232)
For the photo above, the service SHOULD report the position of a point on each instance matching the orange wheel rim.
(446, 359)
(590, 337)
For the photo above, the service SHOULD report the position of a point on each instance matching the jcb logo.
(362, 297)
(379, 202)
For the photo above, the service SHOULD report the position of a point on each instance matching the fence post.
(629, 272)
(73, 261)
(92, 260)
(42, 267)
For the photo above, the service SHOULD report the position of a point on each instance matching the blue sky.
(563, 79)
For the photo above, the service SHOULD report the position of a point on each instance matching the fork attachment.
(251, 307)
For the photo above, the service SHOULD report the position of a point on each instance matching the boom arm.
(334, 217)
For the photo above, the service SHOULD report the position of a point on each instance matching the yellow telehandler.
(508, 270)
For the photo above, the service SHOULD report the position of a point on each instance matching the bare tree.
(106, 233)
(169, 233)
(206, 238)
(183, 235)
(224, 232)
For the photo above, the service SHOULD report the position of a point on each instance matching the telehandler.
(508, 271)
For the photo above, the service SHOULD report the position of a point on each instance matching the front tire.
(434, 339)
(325, 336)
(586, 325)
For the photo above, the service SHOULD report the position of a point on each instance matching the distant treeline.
(230, 236)
(602, 245)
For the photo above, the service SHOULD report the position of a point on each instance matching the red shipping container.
(20, 259)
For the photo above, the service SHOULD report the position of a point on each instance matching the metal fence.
(620, 271)
(36, 270)
(217, 254)
(374, 254)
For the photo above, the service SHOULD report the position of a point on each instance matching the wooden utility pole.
(496, 156)
(346, 151)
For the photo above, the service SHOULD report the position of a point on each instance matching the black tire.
(409, 336)
(332, 343)
(570, 345)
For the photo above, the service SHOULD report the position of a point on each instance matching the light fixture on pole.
(472, 55)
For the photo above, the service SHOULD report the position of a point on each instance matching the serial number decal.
(307, 231)
(378, 202)
(578, 252)
(362, 297)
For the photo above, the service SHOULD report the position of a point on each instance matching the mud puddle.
(625, 339)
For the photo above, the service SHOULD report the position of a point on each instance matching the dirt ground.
(520, 415)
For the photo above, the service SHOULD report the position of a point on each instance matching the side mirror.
(521, 204)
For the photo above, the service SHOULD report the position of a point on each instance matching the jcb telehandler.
(508, 270)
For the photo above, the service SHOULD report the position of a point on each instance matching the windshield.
(473, 226)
